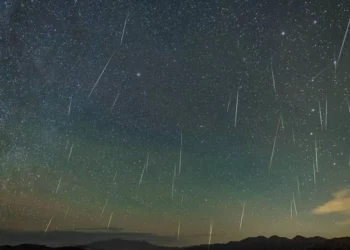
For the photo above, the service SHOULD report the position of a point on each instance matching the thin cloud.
(80, 237)
(339, 204)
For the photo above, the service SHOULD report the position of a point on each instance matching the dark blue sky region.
(101, 102)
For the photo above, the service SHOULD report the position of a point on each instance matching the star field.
(247, 102)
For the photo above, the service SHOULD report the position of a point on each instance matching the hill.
(253, 243)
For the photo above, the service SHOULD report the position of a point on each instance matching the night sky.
(102, 101)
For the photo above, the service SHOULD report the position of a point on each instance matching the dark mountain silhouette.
(37, 247)
(254, 243)
(272, 243)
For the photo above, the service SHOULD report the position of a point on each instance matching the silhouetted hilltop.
(261, 242)
(253, 243)
(37, 247)
(333, 244)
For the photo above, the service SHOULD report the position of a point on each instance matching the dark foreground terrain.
(257, 243)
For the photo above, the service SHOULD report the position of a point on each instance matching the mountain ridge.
(251, 243)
